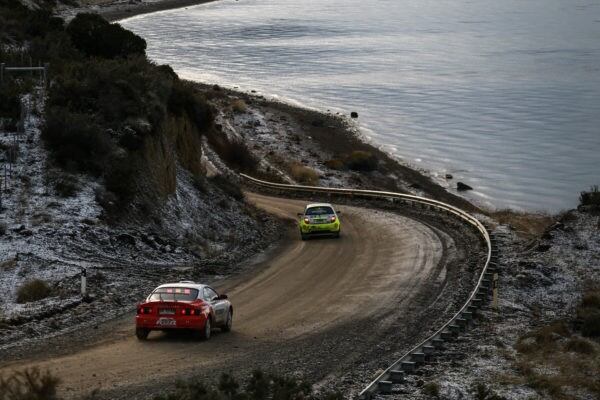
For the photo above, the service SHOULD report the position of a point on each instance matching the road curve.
(298, 293)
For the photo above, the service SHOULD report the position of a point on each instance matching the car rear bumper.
(322, 229)
(166, 323)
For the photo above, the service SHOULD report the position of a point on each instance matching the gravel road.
(313, 308)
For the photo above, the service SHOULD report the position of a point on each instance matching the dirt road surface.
(313, 307)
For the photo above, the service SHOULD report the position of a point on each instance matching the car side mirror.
(222, 297)
(300, 214)
(338, 212)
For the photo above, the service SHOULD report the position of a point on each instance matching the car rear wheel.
(205, 333)
(228, 322)
(142, 333)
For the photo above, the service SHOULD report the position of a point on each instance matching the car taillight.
(332, 218)
(306, 221)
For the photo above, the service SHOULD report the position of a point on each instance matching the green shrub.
(361, 161)
(33, 290)
(29, 384)
(432, 389)
(94, 36)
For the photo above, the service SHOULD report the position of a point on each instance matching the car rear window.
(174, 294)
(321, 210)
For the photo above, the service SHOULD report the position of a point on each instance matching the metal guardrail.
(417, 354)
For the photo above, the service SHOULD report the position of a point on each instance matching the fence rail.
(410, 360)
(43, 70)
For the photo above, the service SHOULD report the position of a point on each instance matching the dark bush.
(579, 345)
(235, 153)
(10, 105)
(432, 389)
(591, 324)
(29, 384)
(33, 290)
(66, 186)
(591, 198)
(228, 186)
(76, 141)
(361, 161)
(259, 387)
(482, 392)
(120, 178)
(185, 98)
(94, 36)
(591, 300)
(334, 164)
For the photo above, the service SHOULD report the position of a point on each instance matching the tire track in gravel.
(310, 307)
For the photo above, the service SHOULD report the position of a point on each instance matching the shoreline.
(418, 181)
(116, 11)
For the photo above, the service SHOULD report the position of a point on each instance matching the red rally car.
(183, 306)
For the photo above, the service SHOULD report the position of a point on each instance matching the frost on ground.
(531, 347)
(51, 227)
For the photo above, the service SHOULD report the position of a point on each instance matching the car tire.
(142, 333)
(205, 332)
(228, 322)
(303, 236)
(336, 235)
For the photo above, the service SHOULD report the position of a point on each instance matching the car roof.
(319, 205)
(183, 284)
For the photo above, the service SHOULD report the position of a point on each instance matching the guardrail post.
(495, 291)
(396, 376)
(83, 282)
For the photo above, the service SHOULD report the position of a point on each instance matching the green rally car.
(319, 219)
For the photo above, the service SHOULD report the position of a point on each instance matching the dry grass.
(33, 290)
(239, 106)
(361, 161)
(29, 384)
(335, 164)
(527, 225)
(556, 362)
(303, 174)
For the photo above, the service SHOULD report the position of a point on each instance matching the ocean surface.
(504, 95)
